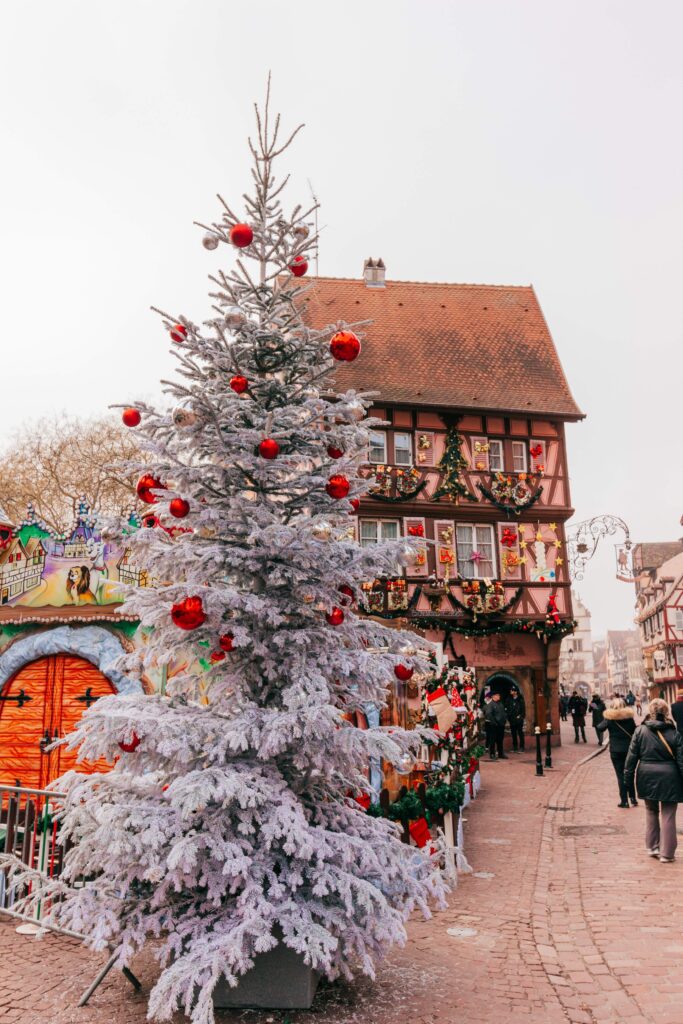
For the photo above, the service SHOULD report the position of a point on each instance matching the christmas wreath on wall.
(512, 493)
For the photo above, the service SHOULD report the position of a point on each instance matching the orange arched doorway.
(45, 699)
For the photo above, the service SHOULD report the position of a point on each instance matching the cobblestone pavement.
(564, 919)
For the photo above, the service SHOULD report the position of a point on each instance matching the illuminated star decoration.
(552, 526)
(558, 543)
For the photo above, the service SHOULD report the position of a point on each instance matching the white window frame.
(496, 446)
(371, 459)
(678, 618)
(409, 437)
(380, 539)
(475, 571)
(520, 449)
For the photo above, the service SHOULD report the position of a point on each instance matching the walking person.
(564, 704)
(655, 757)
(578, 706)
(515, 710)
(677, 710)
(619, 723)
(495, 716)
(597, 709)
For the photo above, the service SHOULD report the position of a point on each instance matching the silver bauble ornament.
(184, 419)
(322, 531)
(405, 764)
(234, 319)
(300, 231)
(407, 555)
(210, 241)
(356, 410)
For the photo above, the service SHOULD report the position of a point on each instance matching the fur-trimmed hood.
(618, 714)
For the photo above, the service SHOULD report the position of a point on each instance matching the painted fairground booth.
(61, 633)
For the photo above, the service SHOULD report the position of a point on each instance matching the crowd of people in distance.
(647, 758)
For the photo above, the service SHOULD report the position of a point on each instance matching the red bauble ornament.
(131, 417)
(226, 642)
(403, 672)
(239, 384)
(335, 617)
(335, 453)
(134, 743)
(269, 449)
(179, 508)
(5, 536)
(347, 591)
(241, 235)
(355, 505)
(337, 486)
(188, 613)
(178, 333)
(149, 522)
(345, 346)
(298, 266)
(144, 488)
(216, 656)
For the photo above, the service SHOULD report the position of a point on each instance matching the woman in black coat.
(597, 710)
(656, 751)
(619, 723)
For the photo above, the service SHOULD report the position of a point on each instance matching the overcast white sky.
(501, 142)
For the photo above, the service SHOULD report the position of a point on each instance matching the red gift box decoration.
(419, 831)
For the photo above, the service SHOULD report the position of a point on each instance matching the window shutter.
(480, 454)
(536, 458)
(508, 547)
(424, 448)
(414, 527)
(444, 533)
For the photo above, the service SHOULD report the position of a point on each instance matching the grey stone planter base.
(279, 980)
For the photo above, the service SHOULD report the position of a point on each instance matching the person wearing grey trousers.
(655, 758)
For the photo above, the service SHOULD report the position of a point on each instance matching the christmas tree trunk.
(228, 823)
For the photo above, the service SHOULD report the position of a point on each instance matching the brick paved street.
(569, 921)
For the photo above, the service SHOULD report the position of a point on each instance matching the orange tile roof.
(461, 346)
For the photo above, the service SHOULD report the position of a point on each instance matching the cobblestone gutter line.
(563, 930)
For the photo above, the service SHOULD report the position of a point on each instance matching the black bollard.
(539, 759)
(548, 748)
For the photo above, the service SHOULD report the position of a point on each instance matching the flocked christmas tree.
(229, 818)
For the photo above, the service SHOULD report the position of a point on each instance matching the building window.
(679, 619)
(477, 540)
(496, 456)
(378, 447)
(373, 531)
(679, 656)
(519, 457)
(578, 644)
(403, 449)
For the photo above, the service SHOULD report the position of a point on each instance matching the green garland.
(515, 509)
(451, 464)
(445, 797)
(396, 499)
(497, 611)
(468, 629)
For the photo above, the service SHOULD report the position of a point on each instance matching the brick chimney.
(374, 272)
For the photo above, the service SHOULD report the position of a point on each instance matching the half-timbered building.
(658, 571)
(470, 462)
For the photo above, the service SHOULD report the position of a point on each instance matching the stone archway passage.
(46, 698)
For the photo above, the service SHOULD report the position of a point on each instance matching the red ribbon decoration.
(508, 537)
